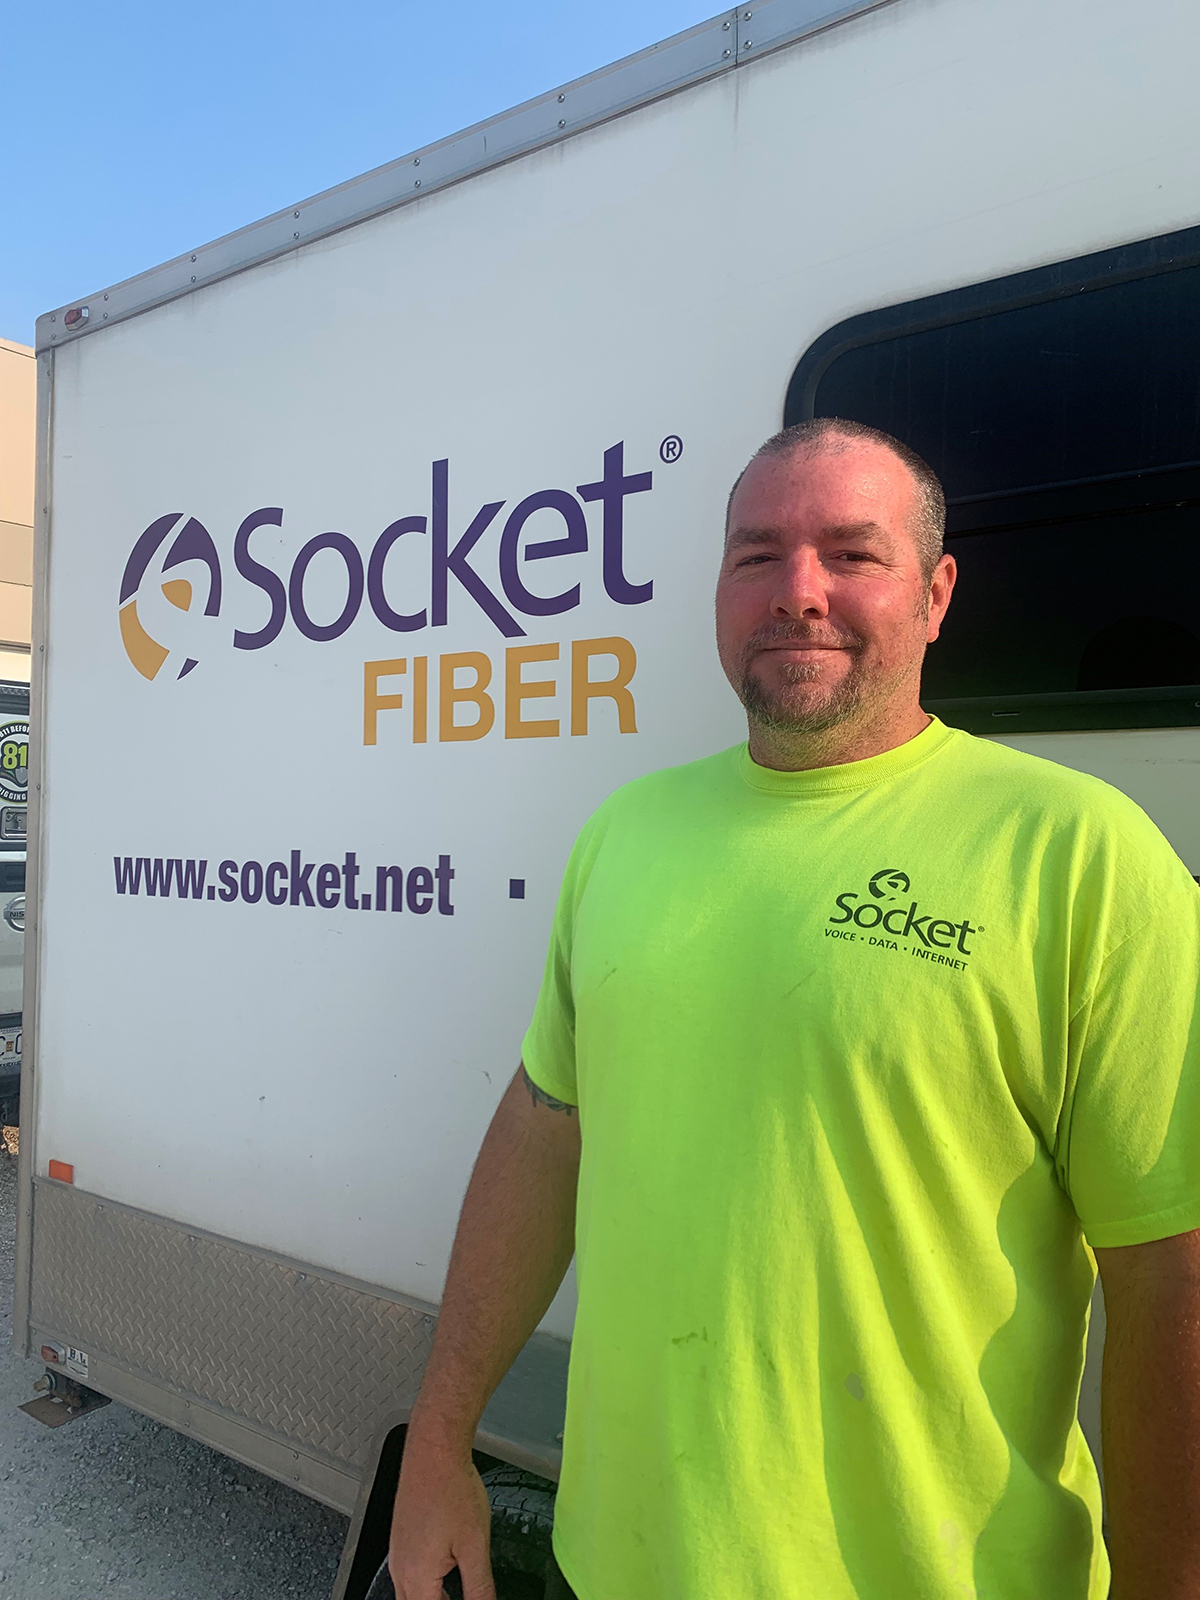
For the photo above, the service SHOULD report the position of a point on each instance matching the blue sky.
(132, 133)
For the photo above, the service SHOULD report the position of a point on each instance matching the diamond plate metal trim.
(311, 1359)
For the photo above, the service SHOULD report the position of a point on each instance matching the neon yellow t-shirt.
(861, 1055)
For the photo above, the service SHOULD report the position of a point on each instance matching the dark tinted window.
(1061, 409)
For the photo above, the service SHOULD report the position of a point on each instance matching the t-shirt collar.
(850, 774)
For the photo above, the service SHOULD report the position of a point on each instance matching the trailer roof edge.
(727, 41)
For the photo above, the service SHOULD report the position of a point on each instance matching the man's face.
(823, 611)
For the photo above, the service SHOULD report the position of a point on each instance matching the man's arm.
(513, 1245)
(1150, 1416)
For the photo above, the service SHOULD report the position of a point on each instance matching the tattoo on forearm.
(541, 1098)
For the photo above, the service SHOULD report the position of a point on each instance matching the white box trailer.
(375, 546)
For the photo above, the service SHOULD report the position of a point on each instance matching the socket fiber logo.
(443, 559)
(192, 543)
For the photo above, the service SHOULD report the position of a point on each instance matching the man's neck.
(852, 740)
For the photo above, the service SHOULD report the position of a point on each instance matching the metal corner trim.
(30, 1072)
(729, 40)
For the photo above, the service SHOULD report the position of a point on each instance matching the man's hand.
(442, 1521)
(1150, 1415)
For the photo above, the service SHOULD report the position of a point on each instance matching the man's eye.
(755, 560)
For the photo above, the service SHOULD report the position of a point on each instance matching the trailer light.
(53, 1354)
(75, 316)
(63, 1171)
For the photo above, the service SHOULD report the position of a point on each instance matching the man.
(848, 1040)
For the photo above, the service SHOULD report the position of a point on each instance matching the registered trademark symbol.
(670, 449)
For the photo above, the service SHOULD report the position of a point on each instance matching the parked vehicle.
(375, 546)
(14, 778)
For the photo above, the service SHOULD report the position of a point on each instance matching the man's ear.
(941, 587)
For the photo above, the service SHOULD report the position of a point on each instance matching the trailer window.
(1061, 409)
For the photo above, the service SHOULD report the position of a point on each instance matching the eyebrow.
(864, 532)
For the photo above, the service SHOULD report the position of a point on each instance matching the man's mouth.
(802, 649)
(798, 647)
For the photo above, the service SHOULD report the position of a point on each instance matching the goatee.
(771, 709)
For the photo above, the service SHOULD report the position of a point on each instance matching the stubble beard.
(855, 697)
(778, 712)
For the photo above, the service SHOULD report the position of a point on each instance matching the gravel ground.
(116, 1506)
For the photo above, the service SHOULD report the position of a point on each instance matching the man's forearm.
(1151, 1419)
(513, 1245)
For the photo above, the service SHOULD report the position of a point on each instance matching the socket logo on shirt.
(885, 910)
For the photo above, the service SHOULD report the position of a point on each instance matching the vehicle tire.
(522, 1520)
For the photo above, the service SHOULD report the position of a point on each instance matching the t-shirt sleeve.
(1133, 1130)
(548, 1050)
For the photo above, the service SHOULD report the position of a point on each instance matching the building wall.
(18, 389)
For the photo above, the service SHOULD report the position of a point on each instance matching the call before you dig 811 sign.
(14, 760)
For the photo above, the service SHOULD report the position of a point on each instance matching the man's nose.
(800, 590)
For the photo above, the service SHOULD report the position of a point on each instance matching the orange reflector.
(63, 1171)
(49, 1353)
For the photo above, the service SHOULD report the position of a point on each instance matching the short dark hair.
(930, 528)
